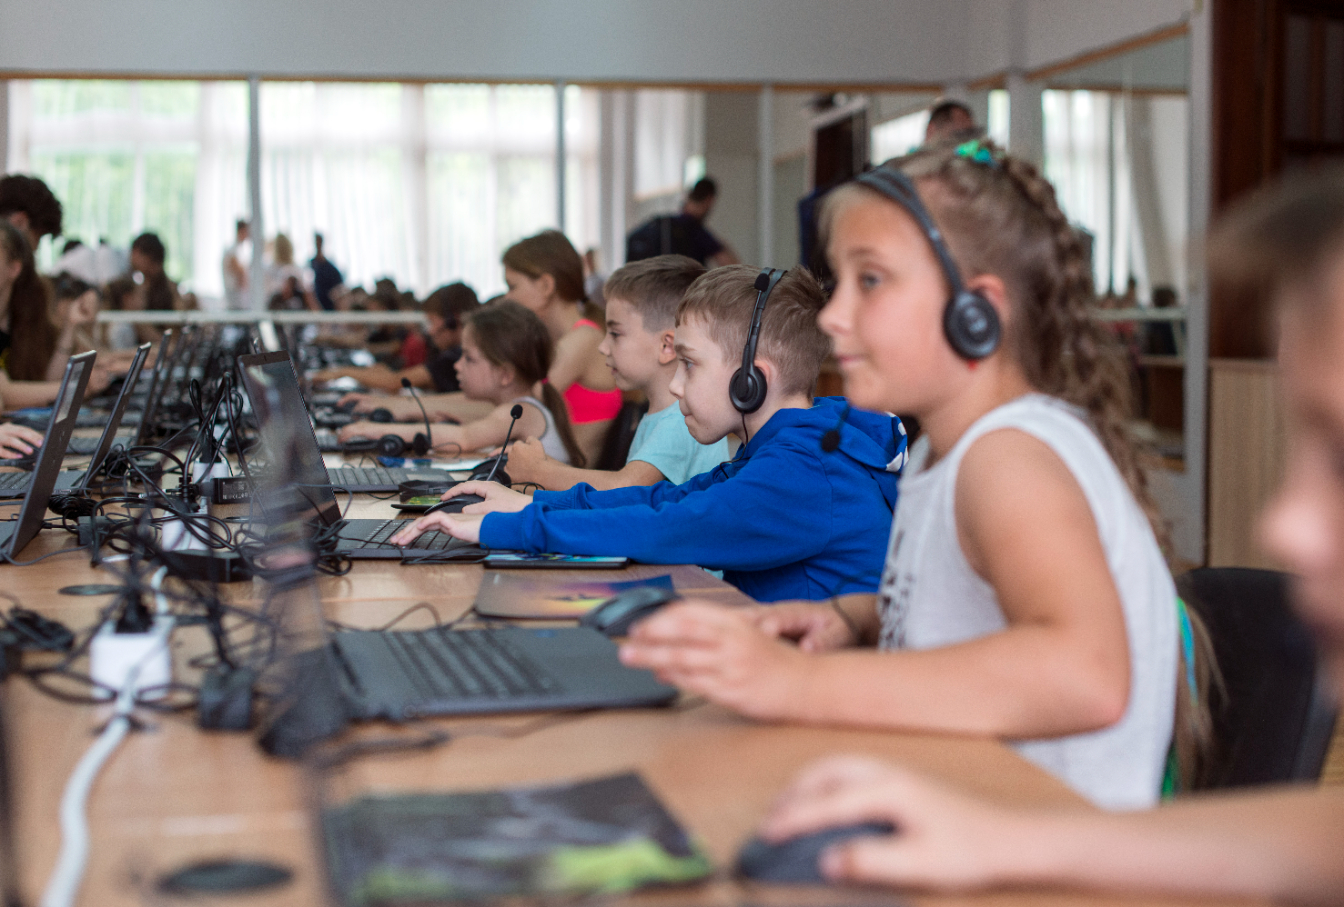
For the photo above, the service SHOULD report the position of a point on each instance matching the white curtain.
(425, 184)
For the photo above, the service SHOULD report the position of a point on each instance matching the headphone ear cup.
(390, 446)
(747, 390)
(972, 325)
(420, 446)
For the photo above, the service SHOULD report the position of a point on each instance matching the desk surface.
(172, 794)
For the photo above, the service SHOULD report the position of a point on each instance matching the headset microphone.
(516, 413)
(428, 445)
(830, 442)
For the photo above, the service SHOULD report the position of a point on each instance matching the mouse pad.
(508, 595)
(602, 836)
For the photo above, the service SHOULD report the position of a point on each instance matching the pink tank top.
(587, 405)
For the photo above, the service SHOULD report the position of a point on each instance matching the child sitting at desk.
(505, 353)
(789, 516)
(1282, 845)
(444, 310)
(1025, 595)
(642, 300)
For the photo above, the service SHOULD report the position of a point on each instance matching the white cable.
(156, 583)
(65, 879)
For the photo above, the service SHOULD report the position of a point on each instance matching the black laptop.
(313, 489)
(15, 484)
(17, 533)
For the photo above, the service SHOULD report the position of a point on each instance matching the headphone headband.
(970, 323)
(747, 388)
(898, 187)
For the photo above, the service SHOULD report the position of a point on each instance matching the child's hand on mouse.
(363, 430)
(498, 499)
(814, 627)
(944, 840)
(18, 441)
(719, 653)
(526, 457)
(464, 526)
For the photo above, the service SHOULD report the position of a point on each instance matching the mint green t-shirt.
(663, 442)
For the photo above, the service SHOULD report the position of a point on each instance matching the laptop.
(157, 381)
(312, 489)
(16, 534)
(14, 485)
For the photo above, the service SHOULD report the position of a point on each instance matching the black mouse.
(455, 505)
(359, 444)
(225, 876)
(795, 861)
(381, 414)
(616, 615)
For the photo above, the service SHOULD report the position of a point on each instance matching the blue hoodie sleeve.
(585, 497)
(763, 516)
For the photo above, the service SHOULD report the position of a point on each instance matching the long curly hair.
(1000, 216)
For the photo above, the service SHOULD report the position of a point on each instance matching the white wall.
(603, 40)
(779, 41)
(1031, 34)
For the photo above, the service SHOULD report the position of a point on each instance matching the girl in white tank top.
(506, 353)
(1025, 595)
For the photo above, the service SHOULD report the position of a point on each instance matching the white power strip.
(143, 660)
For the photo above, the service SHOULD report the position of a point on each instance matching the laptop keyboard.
(11, 481)
(466, 663)
(363, 475)
(434, 540)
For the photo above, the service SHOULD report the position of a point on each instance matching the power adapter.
(142, 659)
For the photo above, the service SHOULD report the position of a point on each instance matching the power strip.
(143, 660)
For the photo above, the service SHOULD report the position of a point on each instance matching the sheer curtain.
(126, 157)
(1119, 164)
(425, 184)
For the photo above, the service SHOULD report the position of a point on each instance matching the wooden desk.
(172, 794)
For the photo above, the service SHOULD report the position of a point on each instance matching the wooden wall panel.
(1246, 456)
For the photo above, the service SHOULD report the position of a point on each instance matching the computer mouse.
(455, 505)
(615, 616)
(795, 861)
(381, 414)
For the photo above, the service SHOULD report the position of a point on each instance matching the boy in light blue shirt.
(642, 300)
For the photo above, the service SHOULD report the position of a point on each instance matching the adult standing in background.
(951, 121)
(236, 259)
(27, 203)
(684, 233)
(326, 276)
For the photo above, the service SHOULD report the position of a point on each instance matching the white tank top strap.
(551, 442)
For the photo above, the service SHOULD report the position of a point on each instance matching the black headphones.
(970, 323)
(747, 387)
(397, 446)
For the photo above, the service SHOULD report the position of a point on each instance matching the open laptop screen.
(287, 437)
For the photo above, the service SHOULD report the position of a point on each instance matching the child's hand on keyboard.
(464, 526)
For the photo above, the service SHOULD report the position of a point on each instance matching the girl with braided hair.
(1025, 593)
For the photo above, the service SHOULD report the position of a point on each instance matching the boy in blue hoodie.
(804, 509)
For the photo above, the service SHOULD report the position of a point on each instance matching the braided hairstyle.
(1000, 216)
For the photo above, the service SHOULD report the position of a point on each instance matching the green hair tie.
(976, 150)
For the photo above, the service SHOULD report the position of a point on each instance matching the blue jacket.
(783, 519)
